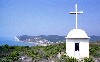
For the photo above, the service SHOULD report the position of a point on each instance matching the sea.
(12, 42)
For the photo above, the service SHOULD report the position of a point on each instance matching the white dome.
(77, 33)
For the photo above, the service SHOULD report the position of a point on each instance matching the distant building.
(16, 38)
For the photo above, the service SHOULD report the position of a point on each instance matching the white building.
(77, 41)
(77, 44)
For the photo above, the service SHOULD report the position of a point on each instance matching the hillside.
(42, 53)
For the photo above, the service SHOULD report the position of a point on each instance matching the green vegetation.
(13, 53)
(95, 49)
(39, 53)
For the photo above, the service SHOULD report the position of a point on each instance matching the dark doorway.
(76, 46)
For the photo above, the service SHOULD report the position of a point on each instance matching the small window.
(76, 46)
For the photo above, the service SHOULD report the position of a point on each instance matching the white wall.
(83, 47)
(70, 48)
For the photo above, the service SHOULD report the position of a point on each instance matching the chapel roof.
(77, 33)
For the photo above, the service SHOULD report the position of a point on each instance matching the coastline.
(38, 44)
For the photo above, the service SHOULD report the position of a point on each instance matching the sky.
(47, 17)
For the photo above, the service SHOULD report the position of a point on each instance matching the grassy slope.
(40, 52)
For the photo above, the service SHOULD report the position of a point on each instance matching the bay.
(12, 42)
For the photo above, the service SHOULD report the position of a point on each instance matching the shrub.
(88, 60)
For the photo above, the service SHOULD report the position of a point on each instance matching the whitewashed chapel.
(77, 41)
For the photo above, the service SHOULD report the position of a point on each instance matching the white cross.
(76, 12)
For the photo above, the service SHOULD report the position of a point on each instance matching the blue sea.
(12, 42)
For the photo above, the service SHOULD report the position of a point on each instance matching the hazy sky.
(47, 17)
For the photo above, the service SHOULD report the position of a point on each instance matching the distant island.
(41, 39)
(49, 39)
